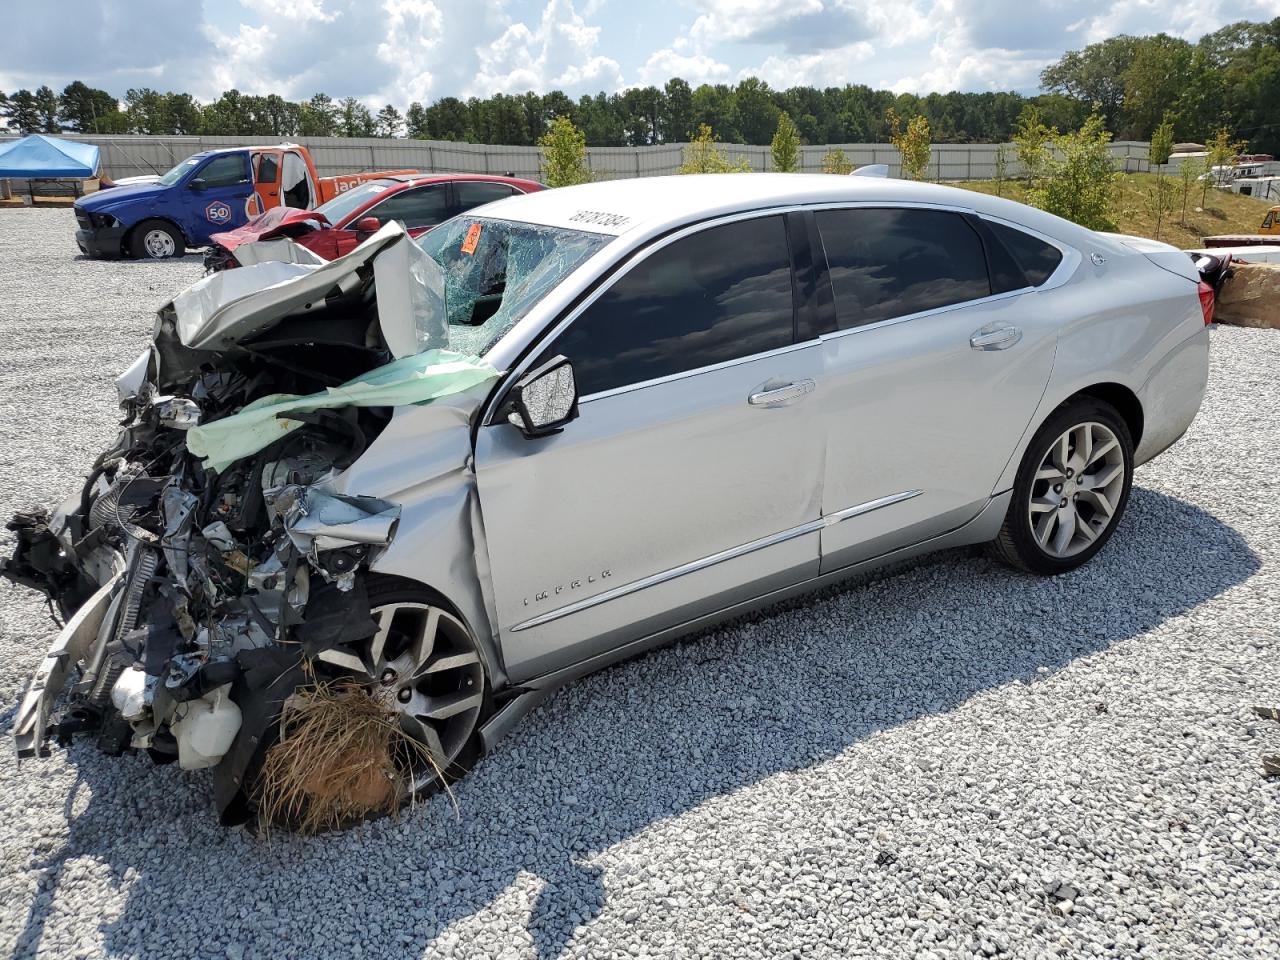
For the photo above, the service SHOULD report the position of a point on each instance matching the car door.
(266, 180)
(217, 196)
(689, 481)
(942, 351)
(469, 194)
(417, 209)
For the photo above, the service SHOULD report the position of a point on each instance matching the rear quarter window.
(1037, 258)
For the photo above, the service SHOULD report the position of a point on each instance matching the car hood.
(268, 225)
(104, 201)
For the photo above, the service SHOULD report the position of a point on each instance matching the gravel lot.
(954, 761)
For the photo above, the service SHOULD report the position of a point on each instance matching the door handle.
(780, 395)
(995, 337)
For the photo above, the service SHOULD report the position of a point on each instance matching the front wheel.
(156, 240)
(1070, 491)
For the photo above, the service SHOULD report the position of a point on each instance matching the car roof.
(646, 205)
(418, 178)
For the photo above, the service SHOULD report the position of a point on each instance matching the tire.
(1072, 460)
(156, 240)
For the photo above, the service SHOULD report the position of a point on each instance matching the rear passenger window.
(473, 193)
(892, 262)
(1037, 259)
(718, 295)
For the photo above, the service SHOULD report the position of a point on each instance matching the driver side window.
(423, 207)
(224, 171)
(721, 294)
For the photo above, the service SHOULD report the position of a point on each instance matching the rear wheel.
(156, 240)
(1071, 489)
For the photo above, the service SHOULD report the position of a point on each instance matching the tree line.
(1229, 78)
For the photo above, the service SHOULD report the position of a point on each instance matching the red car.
(335, 228)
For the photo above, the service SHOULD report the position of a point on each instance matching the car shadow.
(775, 693)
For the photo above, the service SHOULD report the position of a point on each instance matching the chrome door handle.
(997, 337)
(780, 395)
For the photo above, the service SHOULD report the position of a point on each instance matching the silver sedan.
(632, 409)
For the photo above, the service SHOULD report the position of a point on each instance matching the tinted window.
(267, 168)
(473, 193)
(718, 295)
(1036, 258)
(889, 263)
(423, 207)
(223, 171)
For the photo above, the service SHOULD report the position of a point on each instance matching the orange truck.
(210, 192)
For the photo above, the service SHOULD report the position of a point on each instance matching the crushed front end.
(200, 581)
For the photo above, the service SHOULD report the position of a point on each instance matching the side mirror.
(544, 400)
(196, 184)
(368, 225)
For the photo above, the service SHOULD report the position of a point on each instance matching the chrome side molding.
(812, 526)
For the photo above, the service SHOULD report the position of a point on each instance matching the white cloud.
(685, 60)
(412, 41)
(560, 54)
(827, 68)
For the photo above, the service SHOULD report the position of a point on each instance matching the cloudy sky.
(403, 50)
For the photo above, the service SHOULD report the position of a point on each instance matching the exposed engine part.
(204, 728)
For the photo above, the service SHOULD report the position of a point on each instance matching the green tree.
(1078, 180)
(415, 122)
(785, 148)
(705, 155)
(1002, 167)
(85, 109)
(913, 143)
(1161, 143)
(318, 117)
(837, 162)
(1094, 75)
(1222, 152)
(1189, 173)
(756, 112)
(47, 110)
(145, 109)
(1031, 143)
(21, 111)
(1158, 73)
(564, 154)
(389, 122)
(676, 122)
(354, 119)
(447, 119)
(183, 113)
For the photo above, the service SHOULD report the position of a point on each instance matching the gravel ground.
(954, 761)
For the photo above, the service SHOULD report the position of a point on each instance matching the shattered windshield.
(341, 206)
(179, 171)
(495, 271)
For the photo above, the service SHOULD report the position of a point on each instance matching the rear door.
(469, 194)
(217, 196)
(689, 481)
(942, 351)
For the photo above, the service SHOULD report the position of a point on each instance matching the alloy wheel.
(422, 665)
(1076, 489)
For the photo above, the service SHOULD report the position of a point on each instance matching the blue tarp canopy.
(38, 156)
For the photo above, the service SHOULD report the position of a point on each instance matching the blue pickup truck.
(208, 193)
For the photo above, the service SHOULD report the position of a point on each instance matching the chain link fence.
(127, 156)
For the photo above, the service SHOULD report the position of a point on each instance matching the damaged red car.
(337, 227)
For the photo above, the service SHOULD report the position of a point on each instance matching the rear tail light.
(1206, 302)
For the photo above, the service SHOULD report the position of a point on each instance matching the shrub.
(704, 155)
(838, 162)
(1077, 180)
(785, 148)
(912, 143)
(564, 154)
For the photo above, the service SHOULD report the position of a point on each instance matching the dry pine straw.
(336, 761)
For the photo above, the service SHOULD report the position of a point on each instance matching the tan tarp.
(1250, 297)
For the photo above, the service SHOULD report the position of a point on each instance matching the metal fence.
(126, 156)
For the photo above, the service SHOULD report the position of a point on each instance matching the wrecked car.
(337, 227)
(390, 502)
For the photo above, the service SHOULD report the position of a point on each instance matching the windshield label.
(471, 240)
(599, 218)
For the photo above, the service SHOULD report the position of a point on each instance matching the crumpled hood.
(104, 201)
(268, 225)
